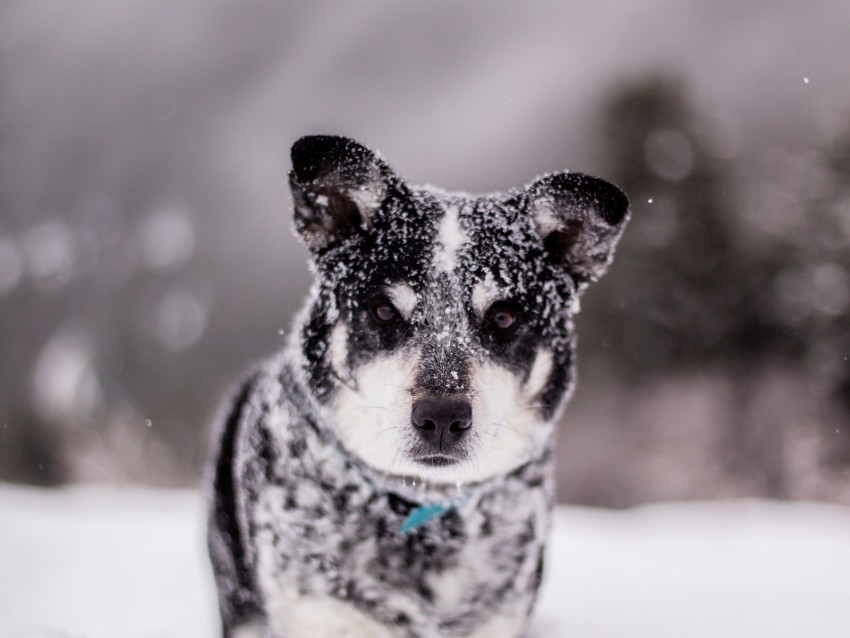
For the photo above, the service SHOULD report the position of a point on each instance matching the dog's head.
(439, 340)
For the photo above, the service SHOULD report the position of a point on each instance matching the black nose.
(441, 422)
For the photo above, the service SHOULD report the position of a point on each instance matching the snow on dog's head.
(438, 341)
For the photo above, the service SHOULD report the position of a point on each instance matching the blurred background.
(146, 255)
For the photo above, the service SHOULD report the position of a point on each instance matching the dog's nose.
(441, 421)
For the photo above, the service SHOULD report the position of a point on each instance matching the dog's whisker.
(348, 383)
(509, 429)
(396, 460)
(361, 407)
(498, 438)
(532, 406)
(368, 436)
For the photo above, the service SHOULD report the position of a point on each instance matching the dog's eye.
(384, 312)
(502, 318)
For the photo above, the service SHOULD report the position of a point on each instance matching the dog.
(390, 474)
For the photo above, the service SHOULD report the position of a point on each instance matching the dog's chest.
(328, 541)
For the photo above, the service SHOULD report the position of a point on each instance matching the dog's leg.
(238, 601)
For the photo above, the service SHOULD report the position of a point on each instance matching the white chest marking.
(296, 616)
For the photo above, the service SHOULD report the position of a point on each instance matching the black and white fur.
(322, 454)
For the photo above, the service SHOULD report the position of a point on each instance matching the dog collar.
(427, 512)
(422, 514)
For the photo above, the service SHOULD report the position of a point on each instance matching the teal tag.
(422, 515)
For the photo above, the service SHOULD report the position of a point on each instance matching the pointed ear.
(337, 185)
(579, 220)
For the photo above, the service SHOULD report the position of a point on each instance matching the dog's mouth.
(437, 460)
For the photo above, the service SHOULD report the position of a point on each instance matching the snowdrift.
(97, 562)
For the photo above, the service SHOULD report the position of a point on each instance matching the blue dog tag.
(422, 515)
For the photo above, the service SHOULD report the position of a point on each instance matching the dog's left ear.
(337, 185)
(579, 220)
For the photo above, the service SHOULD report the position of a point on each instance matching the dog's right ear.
(579, 219)
(337, 185)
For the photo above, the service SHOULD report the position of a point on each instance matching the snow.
(91, 562)
(104, 562)
(719, 570)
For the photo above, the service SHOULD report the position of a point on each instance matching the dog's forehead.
(483, 244)
(453, 248)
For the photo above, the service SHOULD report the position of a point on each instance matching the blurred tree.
(682, 293)
(810, 268)
(703, 280)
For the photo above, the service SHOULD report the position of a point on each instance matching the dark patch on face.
(368, 336)
(504, 245)
(397, 247)
(560, 380)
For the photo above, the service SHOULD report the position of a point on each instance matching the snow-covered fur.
(426, 371)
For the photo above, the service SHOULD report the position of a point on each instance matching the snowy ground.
(89, 562)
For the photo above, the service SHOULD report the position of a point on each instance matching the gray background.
(146, 256)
